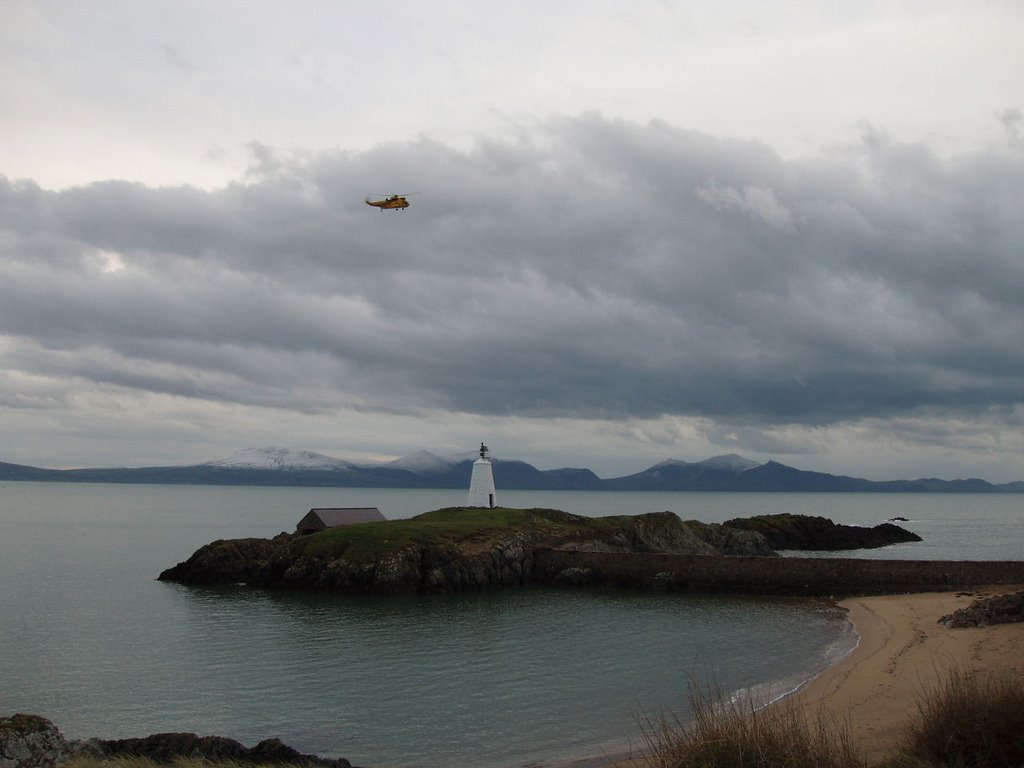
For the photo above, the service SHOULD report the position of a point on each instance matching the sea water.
(91, 640)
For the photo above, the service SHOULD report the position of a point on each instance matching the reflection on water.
(480, 679)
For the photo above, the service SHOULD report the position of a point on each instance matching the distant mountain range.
(423, 469)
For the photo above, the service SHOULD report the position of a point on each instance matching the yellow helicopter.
(389, 202)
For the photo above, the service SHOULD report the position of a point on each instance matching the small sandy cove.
(903, 650)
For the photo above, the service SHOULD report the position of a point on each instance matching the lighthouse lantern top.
(483, 451)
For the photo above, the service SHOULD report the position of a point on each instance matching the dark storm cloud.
(590, 269)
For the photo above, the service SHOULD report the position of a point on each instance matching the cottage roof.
(332, 516)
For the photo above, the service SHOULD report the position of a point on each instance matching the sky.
(638, 231)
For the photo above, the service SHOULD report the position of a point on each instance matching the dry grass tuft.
(970, 719)
(729, 734)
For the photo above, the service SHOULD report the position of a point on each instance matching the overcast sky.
(643, 230)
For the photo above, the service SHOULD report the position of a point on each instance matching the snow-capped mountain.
(426, 462)
(730, 462)
(422, 462)
(716, 473)
(282, 466)
(276, 457)
(418, 463)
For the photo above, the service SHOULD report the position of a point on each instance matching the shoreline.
(901, 651)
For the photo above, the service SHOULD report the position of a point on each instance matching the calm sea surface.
(89, 639)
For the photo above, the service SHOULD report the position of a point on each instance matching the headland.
(457, 549)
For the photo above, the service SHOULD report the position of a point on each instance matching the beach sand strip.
(903, 652)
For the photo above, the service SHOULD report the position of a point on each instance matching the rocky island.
(810, 533)
(447, 550)
(457, 549)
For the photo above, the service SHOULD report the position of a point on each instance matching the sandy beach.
(902, 651)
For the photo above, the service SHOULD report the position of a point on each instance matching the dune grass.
(967, 721)
(726, 733)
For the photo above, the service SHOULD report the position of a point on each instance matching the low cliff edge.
(457, 549)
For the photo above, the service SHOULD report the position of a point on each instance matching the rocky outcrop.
(731, 541)
(168, 747)
(454, 550)
(230, 561)
(665, 532)
(420, 567)
(809, 533)
(31, 741)
(447, 551)
(1000, 609)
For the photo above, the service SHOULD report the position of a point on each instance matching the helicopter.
(390, 202)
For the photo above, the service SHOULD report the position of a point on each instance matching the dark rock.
(276, 752)
(731, 541)
(165, 747)
(898, 519)
(809, 533)
(168, 747)
(572, 577)
(31, 741)
(1000, 609)
(229, 561)
(665, 533)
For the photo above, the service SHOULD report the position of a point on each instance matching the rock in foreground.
(1001, 609)
(31, 741)
(168, 747)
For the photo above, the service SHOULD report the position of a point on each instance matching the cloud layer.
(696, 291)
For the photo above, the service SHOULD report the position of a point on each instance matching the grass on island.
(967, 720)
(453, 525)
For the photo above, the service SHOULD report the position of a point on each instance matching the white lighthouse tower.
(481, 484)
